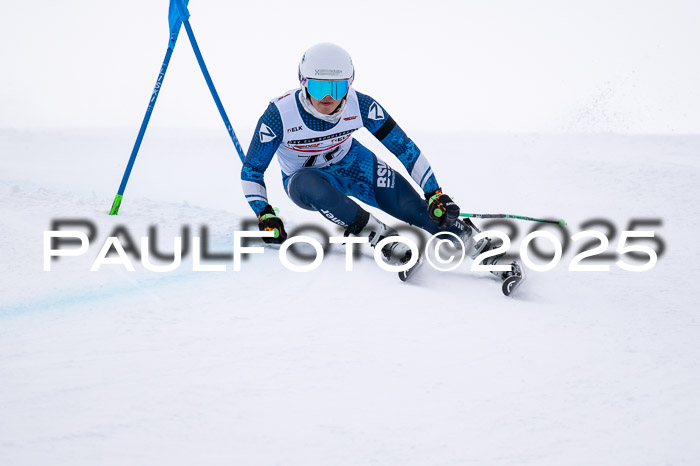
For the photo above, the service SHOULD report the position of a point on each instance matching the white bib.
(303, 147)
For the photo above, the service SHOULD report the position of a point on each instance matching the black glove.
(268, 221)
(441, 208)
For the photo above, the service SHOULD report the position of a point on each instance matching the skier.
(310, 128)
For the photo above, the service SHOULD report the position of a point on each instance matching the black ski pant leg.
(312, 189)
(396, 197)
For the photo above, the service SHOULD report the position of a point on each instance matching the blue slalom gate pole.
(118, 198)
(184, 15)
(174, 21)
(178, 15)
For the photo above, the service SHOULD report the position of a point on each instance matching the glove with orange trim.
(442, 208)
(269, 221)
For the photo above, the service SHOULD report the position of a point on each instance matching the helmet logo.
(326, 72)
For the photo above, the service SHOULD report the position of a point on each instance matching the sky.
(499, 66)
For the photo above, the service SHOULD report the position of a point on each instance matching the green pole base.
(115, 205)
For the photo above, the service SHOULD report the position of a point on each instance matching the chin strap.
(309, 107)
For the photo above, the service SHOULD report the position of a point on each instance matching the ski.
(512, 282)
(405, 275)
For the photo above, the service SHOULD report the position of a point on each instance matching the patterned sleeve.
(266, 139)
(384, 128)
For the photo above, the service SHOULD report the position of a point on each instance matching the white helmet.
(326, 62)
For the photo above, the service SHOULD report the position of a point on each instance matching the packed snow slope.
(270, 367)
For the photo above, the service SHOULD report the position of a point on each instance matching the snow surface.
(271, 367)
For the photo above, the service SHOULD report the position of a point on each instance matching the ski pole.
(559, 222)
(151, 103)
(184, 14)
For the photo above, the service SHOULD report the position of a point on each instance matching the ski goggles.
(319, 89)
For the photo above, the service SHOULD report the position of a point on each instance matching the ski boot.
(511, 278)
(394, 253)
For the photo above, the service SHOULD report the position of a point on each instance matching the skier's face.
(326, 106)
